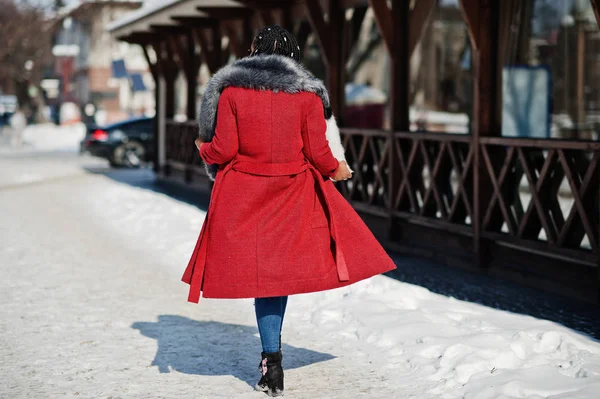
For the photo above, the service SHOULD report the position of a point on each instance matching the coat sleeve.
(225, 144)
(316, 148)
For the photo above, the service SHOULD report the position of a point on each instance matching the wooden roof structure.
(467, 204)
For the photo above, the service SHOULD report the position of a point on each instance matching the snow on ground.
(46, 137)
(91, 305)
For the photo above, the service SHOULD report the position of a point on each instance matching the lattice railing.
(180, 148)
(533, 190)
(544, 190)
(537, 190)
(367, 153)
(435, 176)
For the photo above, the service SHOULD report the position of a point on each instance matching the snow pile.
(416, 343)
(454, 348)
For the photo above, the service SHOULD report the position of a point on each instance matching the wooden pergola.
(482, 224)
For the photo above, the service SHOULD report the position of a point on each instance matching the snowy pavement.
(91, 305)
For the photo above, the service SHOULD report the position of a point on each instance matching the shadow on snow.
(213, 348)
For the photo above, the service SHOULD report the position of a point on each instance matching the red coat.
(276, 224)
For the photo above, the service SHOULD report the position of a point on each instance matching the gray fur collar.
(262, 72)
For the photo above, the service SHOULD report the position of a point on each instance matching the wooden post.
(190, 64)
(168, 68)
(192, 71)
(329, 36)
(483, 31)
(170, 95)
(383, 18)
(597, 13)
(211, 51)
(268, 17)
(400, 47)
(598, 232)
(595, 4)
(579, 111)
(400, 90)
(247, 32)
(156, 123)
(235, 44)
(302, 34)
(287, 17)
(165, 100)
(336, 75)
(419, 18)
(156, 75)
(216, 45)
(319, 26)
(355, 25)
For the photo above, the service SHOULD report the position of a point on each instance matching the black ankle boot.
(272, 380)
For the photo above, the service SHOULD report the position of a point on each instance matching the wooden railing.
(544, 192)
(181, 153)
(432, 177)
(542, 195)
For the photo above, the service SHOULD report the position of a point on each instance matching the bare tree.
(25, 47)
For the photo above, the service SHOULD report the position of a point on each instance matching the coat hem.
(288, 288)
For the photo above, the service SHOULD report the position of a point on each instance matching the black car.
(124, 144)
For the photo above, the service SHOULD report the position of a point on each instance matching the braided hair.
(276, 40)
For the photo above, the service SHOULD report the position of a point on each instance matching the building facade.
(108, 80)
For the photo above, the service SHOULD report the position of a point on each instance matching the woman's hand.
(342, 173)
(198, 142)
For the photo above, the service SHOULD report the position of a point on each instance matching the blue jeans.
(269, 316)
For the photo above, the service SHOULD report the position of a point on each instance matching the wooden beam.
(189, 63)
(169, 29)
(206, 52)
(216, 47)
(486, 115)
(399, 95)
(227, 13)
(287, 18)
(302, 33)
(266, 4)
(317, 21)
(383, 17)
(268, 17)
(151, 65)
(247, 32)
(470, 12)
(232, 31)
(419, 18)
(168, 70)
(140, 37)
(178, 49)
(195, 22)
(596, 7)
(336, 58)
(356, 23)
(400, 65)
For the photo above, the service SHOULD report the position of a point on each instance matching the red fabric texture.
(276, 225)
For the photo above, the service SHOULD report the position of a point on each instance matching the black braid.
(276, 40)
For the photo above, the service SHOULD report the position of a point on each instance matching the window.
(551, 70)
(441, 73)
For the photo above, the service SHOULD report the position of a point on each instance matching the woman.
(276, 224)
